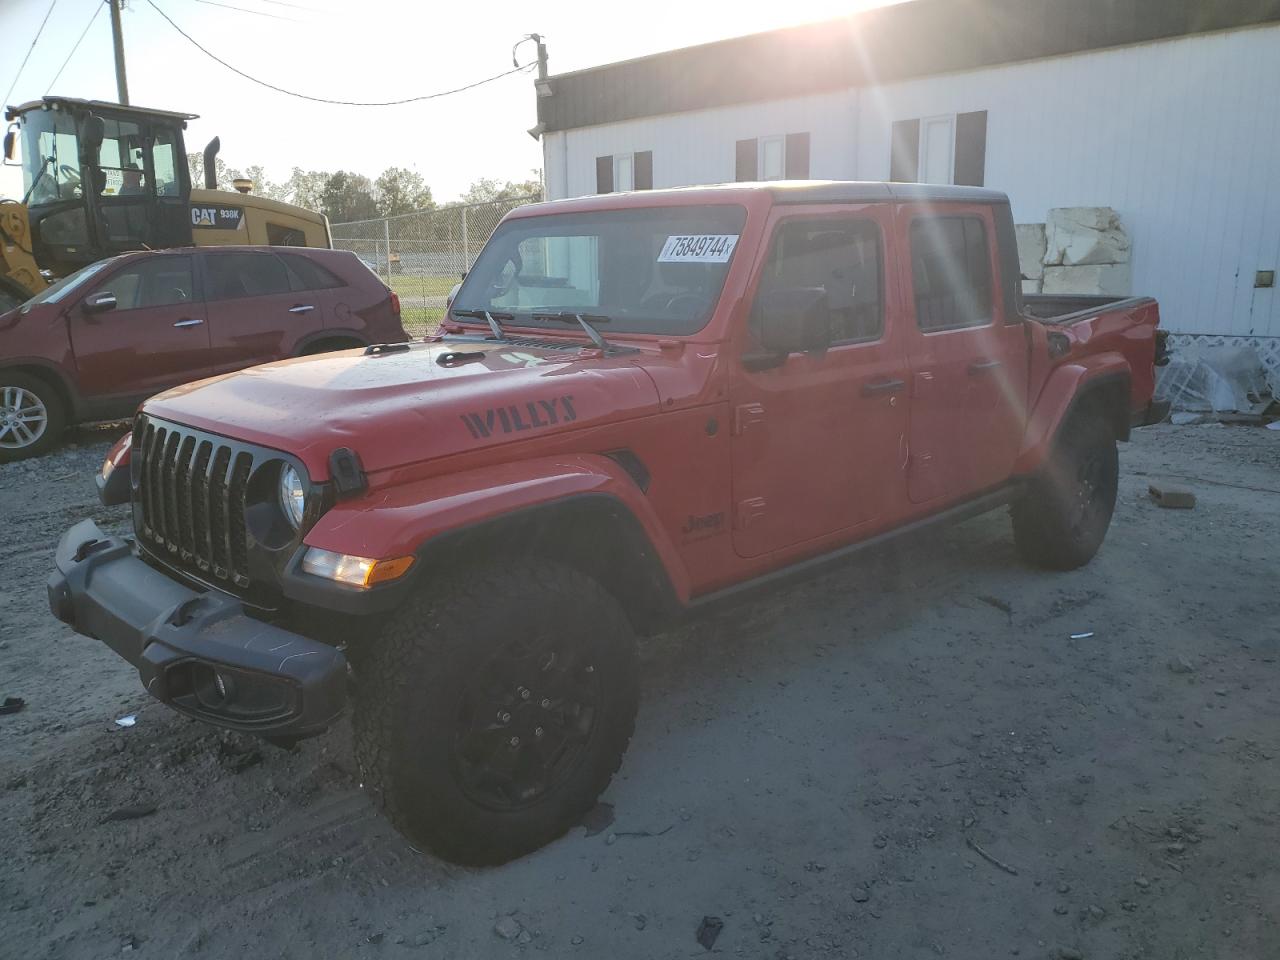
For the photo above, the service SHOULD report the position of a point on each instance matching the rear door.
(819, 441)
(255, 315)
(968, 363)
(156, 337)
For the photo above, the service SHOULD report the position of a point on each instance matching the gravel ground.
(908, 757)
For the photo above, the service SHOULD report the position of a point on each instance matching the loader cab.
(100, 179)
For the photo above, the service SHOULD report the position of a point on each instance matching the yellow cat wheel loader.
(102, 178)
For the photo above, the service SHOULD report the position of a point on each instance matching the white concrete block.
(1076, 236)
(1031, 286)
(1031, 249)
(1099, 279)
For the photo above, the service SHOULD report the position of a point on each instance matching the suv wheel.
(495, 708)
(1062, 519)
(31, 416)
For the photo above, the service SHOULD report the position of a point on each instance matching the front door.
(155, 338)
(968, 362)
(819, 441)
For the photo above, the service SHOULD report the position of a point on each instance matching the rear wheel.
(495, 708)
(31, 416)
(1062, 520)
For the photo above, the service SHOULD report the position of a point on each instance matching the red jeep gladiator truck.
(639, 405)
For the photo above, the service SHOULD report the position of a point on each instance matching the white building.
(1165, 110)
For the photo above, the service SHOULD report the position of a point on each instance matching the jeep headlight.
(293, 495)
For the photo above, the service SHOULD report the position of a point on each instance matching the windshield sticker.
(699, 248)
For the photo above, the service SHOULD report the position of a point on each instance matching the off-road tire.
(1061, 520)
(55, 415)
(411, 682)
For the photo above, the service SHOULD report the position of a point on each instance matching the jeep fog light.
(354, 571)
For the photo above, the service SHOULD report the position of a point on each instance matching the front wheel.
(1061, 521)
(31, 416)
(495, 708)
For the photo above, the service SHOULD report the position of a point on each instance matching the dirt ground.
(908, 757)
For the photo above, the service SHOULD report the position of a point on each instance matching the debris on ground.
(708, 930)
(132, 812)
(127, 721)
(973, 845)
(1171, 498)
(1181, 664)
(508, 927)
(12, 705)
(598, 818)
(1082, 636)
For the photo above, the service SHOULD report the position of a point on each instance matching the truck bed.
(1065, 308)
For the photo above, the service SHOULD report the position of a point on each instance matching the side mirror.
(11, 145)
(95, 131)
(793, 320)
(100, 302)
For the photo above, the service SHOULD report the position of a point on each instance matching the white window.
(624, 172)
(937, 149)
(773, 158)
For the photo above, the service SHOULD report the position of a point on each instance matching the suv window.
(306, 274)
(233, 275)
(844, 258)
(951, 272)
(157, 282)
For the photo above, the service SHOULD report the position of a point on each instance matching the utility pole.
(117, 35)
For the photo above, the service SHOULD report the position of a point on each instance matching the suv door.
(968, 355)
(254, 314)
(155, 337)
(819, 440)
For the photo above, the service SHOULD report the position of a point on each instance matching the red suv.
(95, 344)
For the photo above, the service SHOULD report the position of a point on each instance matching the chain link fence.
(422, 255)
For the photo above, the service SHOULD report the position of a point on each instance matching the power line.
(96, 10)
(296, 6)
(18, 76)
(256, 13)
(340, 103)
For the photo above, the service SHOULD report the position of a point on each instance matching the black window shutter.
(604, 174)
(904, 156)
(797, 156)
(642, 170)
(971, 149)
(745, 164)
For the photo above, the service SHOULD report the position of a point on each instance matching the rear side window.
(844, 258)
(158, 282)
(306, 274)
(233, 275)
(951, 273)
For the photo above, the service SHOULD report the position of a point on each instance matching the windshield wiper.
(490, 318)
(581, 319)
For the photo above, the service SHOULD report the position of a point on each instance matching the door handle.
(882, 386)
(189, 322)
(982, 366)
(302, 308)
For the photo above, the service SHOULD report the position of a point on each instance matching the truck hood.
(406, 406)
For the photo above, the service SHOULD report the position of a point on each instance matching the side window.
(951, 272)
(279, 235)
(163, 162)
(120, 158)
(157, 282)
(306, 274)
(233, 275)
(844, 258)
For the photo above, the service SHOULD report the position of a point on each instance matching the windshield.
(656, 270)
(61, 289)
(50, 157)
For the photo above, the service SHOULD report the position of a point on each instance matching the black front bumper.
(201, 653)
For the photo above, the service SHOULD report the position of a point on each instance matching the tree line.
(344, 196)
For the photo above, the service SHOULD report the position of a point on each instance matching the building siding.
(1180, 137)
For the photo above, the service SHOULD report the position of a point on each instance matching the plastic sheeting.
(1220, 378)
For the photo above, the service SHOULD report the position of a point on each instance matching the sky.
(370, 50)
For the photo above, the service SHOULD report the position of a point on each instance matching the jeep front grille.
(190, 497)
